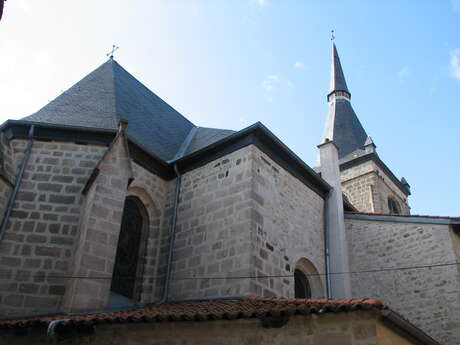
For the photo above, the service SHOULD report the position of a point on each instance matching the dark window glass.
(127, 257)
(302, 287)
(393, 206)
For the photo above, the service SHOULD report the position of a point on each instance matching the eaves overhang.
(256, 134)
(261, 137)
(18, 129)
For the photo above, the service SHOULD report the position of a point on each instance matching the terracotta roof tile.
(216, 309)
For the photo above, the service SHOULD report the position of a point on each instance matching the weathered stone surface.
(368, 188)
(428, 297)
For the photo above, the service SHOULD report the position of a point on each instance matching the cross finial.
(110, 54)
(332, 35)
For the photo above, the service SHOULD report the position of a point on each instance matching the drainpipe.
(17, 184)
(326, 246)
(172, 234)
(53, 337)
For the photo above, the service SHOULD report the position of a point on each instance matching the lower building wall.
(36, 250)
(288, 232)
(429, 297)
(357, 328)
(5, 192)
(214, 223)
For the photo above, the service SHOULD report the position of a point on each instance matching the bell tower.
(366, 181)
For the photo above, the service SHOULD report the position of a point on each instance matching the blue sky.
(231, 63)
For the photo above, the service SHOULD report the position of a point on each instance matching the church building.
(116, 209)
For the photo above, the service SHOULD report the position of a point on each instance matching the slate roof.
(204, 310)
(337, 82)
(206, 136)
(344, 128)
(109, 93)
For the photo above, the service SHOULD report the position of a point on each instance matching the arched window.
(128, 260)
(302, 286)
(307, 281)
(393, 206)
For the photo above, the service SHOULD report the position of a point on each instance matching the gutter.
(402, 218)
(392, 319)
(327, 258)
(172, 234)
(25, 160)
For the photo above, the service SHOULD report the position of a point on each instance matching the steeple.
(342, 125)
(337, 82)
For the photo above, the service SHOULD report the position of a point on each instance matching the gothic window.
(128, 264)
(393, 206)
(302, 286)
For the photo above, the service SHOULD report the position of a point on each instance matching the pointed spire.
(369, 145)
(337, 82)
(343, 126)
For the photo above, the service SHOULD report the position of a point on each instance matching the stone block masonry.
(97, 241)
(213, 229)
(155, 195)
(5, 192)
(244, 216)
(368, 188)
(42, 229)
(288, 227)
(427, 297)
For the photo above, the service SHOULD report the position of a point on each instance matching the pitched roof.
(337, 82)
(109, 93)
(344, 128)
(203, 310)
(206, 136)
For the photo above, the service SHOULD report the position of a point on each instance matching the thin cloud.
(455, 63)
(404, 73)
(269, 83)
(290, 84)
(299, 65)
(260, 3)
(455, 5)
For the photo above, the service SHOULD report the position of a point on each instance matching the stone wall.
(156, 195)
(368, 188)
(11, 152)
(214, 223)
(40, 234)
(5, 191)
(357, 328)
(428, 297)
(289, 227)
(100, 219)
(245, 216)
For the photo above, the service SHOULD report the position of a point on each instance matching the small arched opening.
(302, 286)
(393, 206)
(128, 266)
(307, 281)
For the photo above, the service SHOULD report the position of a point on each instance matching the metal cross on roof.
(110, 54)
(332, 35)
